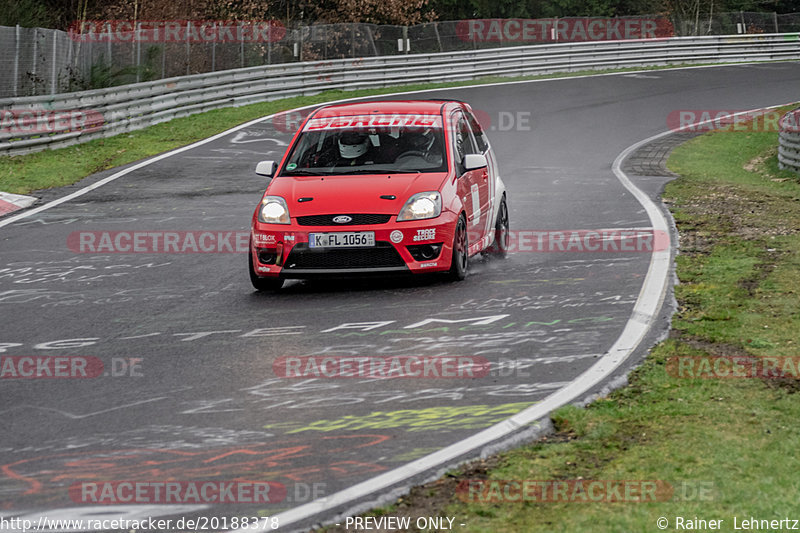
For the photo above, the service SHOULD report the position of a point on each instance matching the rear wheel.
(502, 235)
(460, 263)
(259, 283)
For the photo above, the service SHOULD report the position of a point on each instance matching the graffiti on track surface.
(446, 418)
(45, 479)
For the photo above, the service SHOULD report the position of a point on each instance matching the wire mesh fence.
(43, 61)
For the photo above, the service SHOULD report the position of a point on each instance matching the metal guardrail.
(121, 109)
(789, 141)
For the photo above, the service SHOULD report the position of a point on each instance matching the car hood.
(352, 194)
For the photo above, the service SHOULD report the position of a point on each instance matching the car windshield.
(372, 144)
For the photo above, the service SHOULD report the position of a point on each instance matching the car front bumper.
(400, 247)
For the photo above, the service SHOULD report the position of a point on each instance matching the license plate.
(344, 239)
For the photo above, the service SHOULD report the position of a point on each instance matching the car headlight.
(422, 205)
(273, 210)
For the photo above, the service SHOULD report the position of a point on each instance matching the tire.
(499, 247)
(460, 261)
(259, 283)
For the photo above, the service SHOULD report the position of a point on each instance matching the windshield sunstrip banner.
(374, 121)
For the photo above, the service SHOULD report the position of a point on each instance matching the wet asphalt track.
(207, 404)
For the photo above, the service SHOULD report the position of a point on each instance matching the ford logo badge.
(342, 219)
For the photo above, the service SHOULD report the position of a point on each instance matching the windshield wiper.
(381, 171)
(305, 172)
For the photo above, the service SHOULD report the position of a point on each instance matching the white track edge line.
(648, 304)
(644, 312)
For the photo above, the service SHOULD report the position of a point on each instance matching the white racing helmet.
(353, 144)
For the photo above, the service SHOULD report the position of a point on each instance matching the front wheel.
(259, 283)
(502, 233)
(460, 262)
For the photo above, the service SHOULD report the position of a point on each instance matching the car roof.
(425, 107)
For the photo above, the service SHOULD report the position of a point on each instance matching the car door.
(476, 182)
(468, 186)
(487, 184)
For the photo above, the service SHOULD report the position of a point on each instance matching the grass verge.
(55, 168)
(726, 448)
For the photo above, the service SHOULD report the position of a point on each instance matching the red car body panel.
(474, 194)
(347, 194)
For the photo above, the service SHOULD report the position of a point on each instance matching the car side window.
(480, 137)
(466, 136)
(463, 142)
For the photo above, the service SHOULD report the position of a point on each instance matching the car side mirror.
(266, 168)
(474, 161)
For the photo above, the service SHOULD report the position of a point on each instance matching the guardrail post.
(83, 55)
(16, 61)
(188, 49)
(269, 44)
(301, 44)
(789, 141)
(372, 42)
(137, 36)
(53, 64)
(35, 53)
(69, 54)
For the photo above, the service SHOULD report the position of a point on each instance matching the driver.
(420, 143)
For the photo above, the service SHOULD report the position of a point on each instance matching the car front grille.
(327, 220)
(382, 255)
